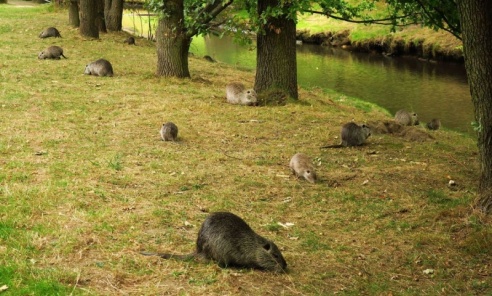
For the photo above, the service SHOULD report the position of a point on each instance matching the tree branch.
(384, 21)
(456, 32)
(207, 14)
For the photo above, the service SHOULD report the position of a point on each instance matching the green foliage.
(436, 14)
(199, 15)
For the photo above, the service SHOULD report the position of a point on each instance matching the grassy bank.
(411, 40)
(85, 182)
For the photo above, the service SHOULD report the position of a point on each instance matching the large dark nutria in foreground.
(301, 166)
(352, 135)
(100, 67)
(169, 132)
(50, 32)
(53, 52)
(228, 240)
(236, 93)
(405, 118)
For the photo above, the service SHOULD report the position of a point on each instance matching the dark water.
(433, 90)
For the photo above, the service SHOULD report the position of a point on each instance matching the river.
(433, 90)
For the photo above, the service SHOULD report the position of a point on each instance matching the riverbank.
(417, 41)
(86, 183)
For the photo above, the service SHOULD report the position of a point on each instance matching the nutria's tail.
(63, 55)
(332, 146)
(185, 257)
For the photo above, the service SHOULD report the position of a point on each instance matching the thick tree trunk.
(172, 42)
(73, 13)
(113, 14)
(88, 15)
(476, 25)
(100, 21)
(276, 65)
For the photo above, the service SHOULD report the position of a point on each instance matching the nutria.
(50, 32)
(434, 124)
(52, 52)
(100, 67)
(405, 118)
(230, 241)
(130, 40)
(301, 166)
(209, 58)
(169, 132)
(236, 93)
(352, 135)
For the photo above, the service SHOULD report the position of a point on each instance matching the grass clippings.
(86, 183)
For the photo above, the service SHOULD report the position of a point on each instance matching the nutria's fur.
(100, 67)
(169, 132)
(405, 118)
(236, 93)
(130, 40)
(228, 240)
(434, 124)
(50, 32)
(352, 135)
(209, 58)
(52, 52)
(301, 166)
(385, 127)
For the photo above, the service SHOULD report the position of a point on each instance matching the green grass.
(86, 183)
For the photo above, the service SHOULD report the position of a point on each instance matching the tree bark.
(113, 14)
(100, 20)
(173, 43)
(276, 64)
(73, 13)
(476, 25)
(88, 15)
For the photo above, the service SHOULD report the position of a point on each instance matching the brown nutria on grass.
(236, 93)
(230, 241)
(434, 124)
(405, 118)
(169, 132)
(50, 32)
(301, 166)
(130, 40)
(100, 67)
(352, 135)
(53, 52)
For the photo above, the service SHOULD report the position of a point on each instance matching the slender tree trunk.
(88, 15)
(113, 14)
(476, 26)
(173, 43)
(276, 65)
(73, 13)
(100, 21)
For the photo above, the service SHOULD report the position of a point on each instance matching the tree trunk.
(73, 13)
(88, 15)
(100, 21)
(476, 25)
(172, 42)
(113, 14)
(276, 65)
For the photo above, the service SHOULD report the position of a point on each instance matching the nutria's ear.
(267, 247)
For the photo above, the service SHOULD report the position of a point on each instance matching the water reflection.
(433, 90)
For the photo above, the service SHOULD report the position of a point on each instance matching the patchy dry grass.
(85, 182)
